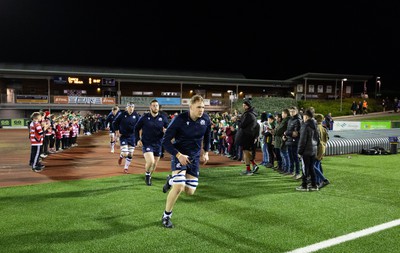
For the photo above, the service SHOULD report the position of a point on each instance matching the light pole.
(341, 93)
(231, 98)
(379, 87)
(377, 82)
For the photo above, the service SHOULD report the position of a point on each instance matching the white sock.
(167, 215)
(127, 162)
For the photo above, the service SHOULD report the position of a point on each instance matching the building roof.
(39, 71)
(335, 77)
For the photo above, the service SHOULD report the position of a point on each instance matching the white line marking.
(345, 238)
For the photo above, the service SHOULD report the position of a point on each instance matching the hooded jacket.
(247, 126)
(309, 138)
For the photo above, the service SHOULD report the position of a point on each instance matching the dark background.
(259, 40)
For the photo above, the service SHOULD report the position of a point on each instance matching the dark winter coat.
(294, 125)
(309, 138)
(247, 127)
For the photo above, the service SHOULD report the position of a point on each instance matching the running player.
(124, 125)
(149, 131)
(110, 118)
(191, 131)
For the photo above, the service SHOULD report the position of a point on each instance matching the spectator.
(247, 134)
(308, 143)
(365, 107)
(292, 141)
(354, 107)
(329, 121)
(323, 139)
(384, 105)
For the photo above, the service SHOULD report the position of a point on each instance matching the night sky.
(258, 40)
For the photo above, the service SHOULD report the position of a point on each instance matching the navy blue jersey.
(188, 135)
(109, 120)
(125, 123)
(152, 128)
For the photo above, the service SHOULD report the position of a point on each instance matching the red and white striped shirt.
(36, 133)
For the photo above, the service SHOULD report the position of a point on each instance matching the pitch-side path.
(90, 159)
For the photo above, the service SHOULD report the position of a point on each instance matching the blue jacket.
(110, 118)
(188, 135)
(125, 123)
(152, 128)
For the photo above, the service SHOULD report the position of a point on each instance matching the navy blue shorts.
(191, 168)
(156, 149)
(127, 140)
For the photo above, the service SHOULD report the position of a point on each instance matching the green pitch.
(228, 213)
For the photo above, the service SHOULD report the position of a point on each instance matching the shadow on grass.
(112, 228)
(266, 182)
(66, 194)
(242, 244)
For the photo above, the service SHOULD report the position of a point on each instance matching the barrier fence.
(355, 146)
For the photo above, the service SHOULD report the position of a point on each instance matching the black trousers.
(35, 155)
(308, 170)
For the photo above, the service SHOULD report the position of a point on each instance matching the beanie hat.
(247, 102)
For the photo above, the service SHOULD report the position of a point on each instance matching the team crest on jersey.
(202, 122)
(159, 119)
(147, 149)
(178, 165)
(148, 118)
(134, 116)
(187, 122)
(123, 143)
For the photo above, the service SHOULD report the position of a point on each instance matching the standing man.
(149, 132)
(191, 132)
(329, 121)
(124, 125)
(292, 135)
(307, 149)
(246, 134)
(269, 141)
(109, 126)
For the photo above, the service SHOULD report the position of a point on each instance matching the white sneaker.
(112, 150)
